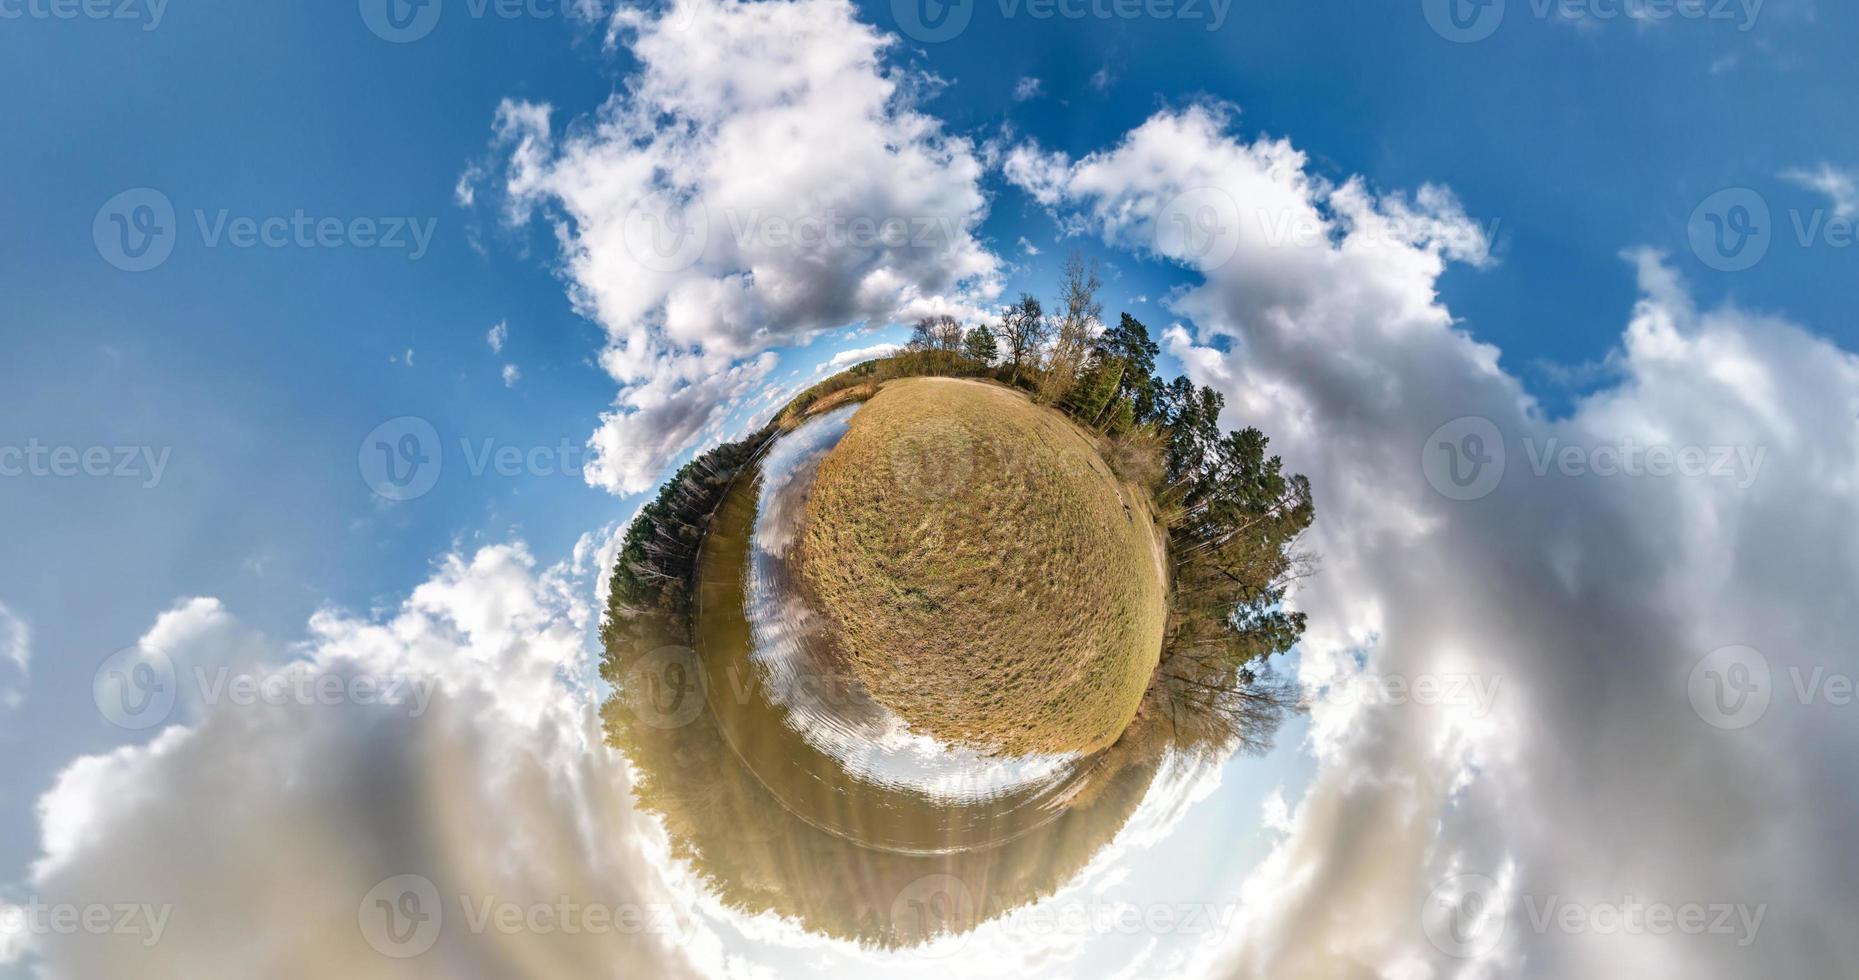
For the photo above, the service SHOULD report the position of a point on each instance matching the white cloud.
(1841, 186)
(1027, 246)
(847, 358)
(1102, 79)
(15, 657)
(1588, 600)
(1027, 88)
(763, 177)
(511, 375)
(281, 818)
(498, 335)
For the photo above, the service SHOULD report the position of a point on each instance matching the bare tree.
(941, 332)
(1079, 316)
(1024, 328)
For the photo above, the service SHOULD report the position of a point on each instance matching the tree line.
(1232, 514)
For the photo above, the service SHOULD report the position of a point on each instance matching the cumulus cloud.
(763, 176)
(498, 335)
(1027, 88)
(252, 835)
(511, 375)
(847, 358)
(1840, 186)
(1605, 769)
(15, 657)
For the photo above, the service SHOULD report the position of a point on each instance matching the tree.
(980, 345)
(1122, 418)
(1233, 545)
(1128, 344)
(941, 332)
(1024, 328)
(1192, 417)
(1079, 316)
(921, 338)
(1090, 398)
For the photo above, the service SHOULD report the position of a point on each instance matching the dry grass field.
(987, 576)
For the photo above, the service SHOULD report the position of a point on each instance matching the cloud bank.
(763, 176)
(1617, 767)
(259, 835)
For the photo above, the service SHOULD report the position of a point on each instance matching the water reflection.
(791, 791)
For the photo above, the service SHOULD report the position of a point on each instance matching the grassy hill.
(988, 577)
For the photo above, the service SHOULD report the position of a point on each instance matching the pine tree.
(980, 345)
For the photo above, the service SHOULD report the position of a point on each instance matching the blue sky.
(1570, 139)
